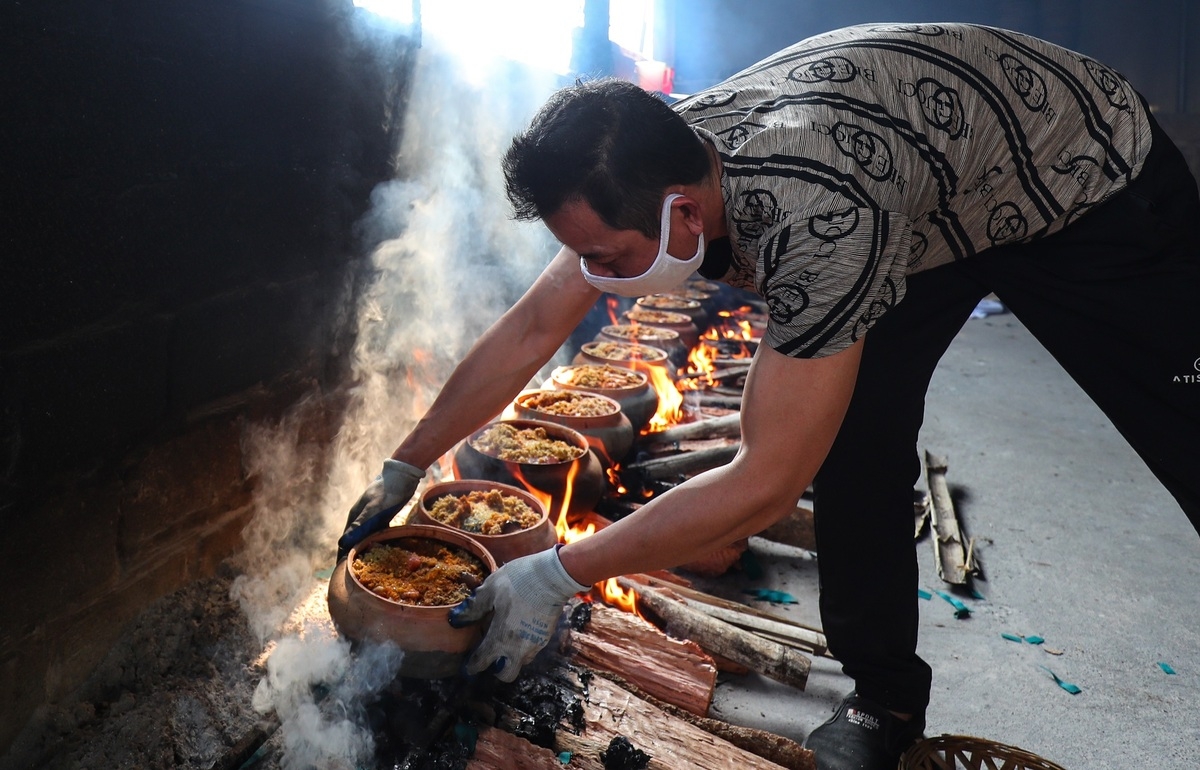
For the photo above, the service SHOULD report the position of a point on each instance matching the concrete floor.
(1079, 545)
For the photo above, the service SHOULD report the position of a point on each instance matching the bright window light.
(397, 10)
(534, 32)
(631, 25)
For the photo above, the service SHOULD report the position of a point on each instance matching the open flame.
(670, 400)
(701, 365)
(735, 325)
(613, 304)
(418, 376)
(609, 590)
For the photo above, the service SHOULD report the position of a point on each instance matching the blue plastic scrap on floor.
(1071, 688)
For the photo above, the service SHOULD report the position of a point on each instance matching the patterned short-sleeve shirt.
(857, 157)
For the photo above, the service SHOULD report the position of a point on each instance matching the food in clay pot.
(508, 522)
(630, 355)
(399, 585)
(655, 336)
(689, 292)
(672, 303)
(689, 333)
(537, 455)
(599, 418)
(629, 388)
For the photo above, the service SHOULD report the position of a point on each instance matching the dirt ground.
(173, 692)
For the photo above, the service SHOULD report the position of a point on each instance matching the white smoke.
(449, 261)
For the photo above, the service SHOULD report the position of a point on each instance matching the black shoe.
(862, 735)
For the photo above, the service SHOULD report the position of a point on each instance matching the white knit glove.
(527, 596)
(374, 510)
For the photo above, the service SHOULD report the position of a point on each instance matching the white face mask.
(664, 274)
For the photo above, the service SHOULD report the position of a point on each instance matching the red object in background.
(655, 75)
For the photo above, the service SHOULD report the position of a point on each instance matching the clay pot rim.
(661, 355)
(680, 319)
(645, 378)
(443, 534)
(556, 430)
(685, 302)
(444, 488)
(698, 295)
(615, 406)
(661, 332)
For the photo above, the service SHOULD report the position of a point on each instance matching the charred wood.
(729, 426)
(796, 529)
(684, 464)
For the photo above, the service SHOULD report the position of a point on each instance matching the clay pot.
(433, 649)
(547, 478)
(627, 355)
(610, 435)
(671, 303)
(638, 400)
(503, 548)
(655, 336)
(700, 295)
(679, 322)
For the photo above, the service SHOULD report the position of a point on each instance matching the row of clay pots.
(432, 647)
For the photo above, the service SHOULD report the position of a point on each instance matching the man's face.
(614, 253)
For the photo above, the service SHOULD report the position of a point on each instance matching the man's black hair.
(608, 143)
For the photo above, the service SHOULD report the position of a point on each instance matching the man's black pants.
(1114, 297)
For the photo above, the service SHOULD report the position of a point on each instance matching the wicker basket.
(963, 752)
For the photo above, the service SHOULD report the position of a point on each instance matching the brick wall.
(181, 184)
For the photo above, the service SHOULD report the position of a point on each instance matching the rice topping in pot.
(601, 376)
(524, 445)
(623, 351)
(567, 403)
(489, 512)
(418, 570)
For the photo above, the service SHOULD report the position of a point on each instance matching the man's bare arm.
(792, 410)
(502, 360)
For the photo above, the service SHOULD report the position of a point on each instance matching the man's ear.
(693, 216)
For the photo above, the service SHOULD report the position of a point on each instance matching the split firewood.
(685, 464)
(922, 511)
(701, 398)
(781, 629)
(952, 563)
(676, 671)
(729, 426)
(725, 374)
(496, 749)
(688, 446)
(769, 658)
(775, 748)
(612, 711)
(796, 529)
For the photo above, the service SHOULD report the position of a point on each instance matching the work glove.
(527, 596)
(374, 510)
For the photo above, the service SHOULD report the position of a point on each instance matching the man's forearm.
(502, 360)
(483, 383)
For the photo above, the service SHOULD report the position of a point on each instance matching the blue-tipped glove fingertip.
(458, 611)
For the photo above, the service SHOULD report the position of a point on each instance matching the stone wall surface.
(182, 181)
